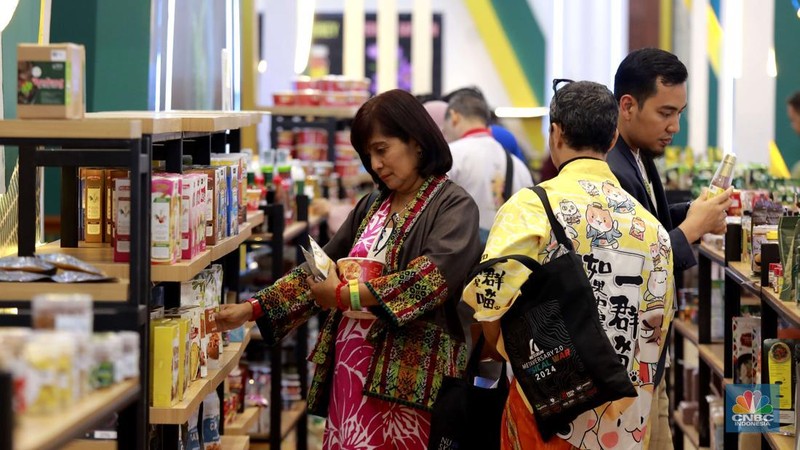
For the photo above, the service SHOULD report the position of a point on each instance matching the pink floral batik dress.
(356, 421)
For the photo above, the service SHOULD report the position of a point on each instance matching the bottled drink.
(723, 176)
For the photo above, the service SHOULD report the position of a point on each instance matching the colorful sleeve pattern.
(287, 304)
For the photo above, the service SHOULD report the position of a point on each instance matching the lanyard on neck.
(477, 132)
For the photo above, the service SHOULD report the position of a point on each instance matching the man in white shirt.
(479, 161)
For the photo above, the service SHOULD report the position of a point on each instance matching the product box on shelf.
(780, 355)
(183, 319)
(215, 202)
(745, 330)
(111, 176)
(189, 194)
(165, 219)
(212, 298)
(122, 220)
(202, 210)
(50, 81)
(193, 296)
(164, 364)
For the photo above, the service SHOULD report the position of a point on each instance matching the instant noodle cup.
(361, 269)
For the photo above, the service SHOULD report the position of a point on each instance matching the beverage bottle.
(723, 176)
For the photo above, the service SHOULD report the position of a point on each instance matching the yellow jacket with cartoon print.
(616, 237)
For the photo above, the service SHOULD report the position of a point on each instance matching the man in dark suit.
(650, 87)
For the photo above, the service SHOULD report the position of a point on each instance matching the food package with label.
(165, 219)
(164, 356)
(744, 359)
(780, 357)
(193, 294)
(50, 81)
(183, 318)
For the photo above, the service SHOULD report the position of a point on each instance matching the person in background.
(650, 88)
(583, 120)
(436, 109)
(508, 141)
(793, 111)
(389, 341)
(479, 161)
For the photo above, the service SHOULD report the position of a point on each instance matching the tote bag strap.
(475, 359)
(509, 177)
(558, 229)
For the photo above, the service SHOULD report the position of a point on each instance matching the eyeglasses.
(557, 81)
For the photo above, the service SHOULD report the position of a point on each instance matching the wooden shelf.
(714, 254)
(712, 354)
(347, 112)
(742, 274)
(290, 232)
(70, 129)
(255, 218)
(92, 444)
(235, 442)
(786, 309)
(152, 122)
(688, 430)
(107, 292)
(243, 422)
(289, 420)
(687, 329)
(199, 389)
(780, 441)
(103, 259)
(230, 244)
(55, 430)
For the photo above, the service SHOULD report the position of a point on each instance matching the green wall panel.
(527, 40)
(787, 36)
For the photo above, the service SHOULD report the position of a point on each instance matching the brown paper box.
(50, 81)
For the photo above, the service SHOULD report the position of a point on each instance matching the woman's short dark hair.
(398, 114)
(639, 72)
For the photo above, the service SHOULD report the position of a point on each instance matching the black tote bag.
(465, 416)
(560, 354)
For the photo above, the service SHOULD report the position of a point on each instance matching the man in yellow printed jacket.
(626, 257)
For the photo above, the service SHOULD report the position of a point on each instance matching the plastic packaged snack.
(69, 262)
(12, 344)
(73, 276)
(63, 312)
(22, 277)
(26, 264)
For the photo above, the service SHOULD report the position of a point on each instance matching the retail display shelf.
(780, 441)
(347, 112)
(712, 354)
(199, 389)
(687, 329)
(230, 244)
(243, 422)
(289, 419)
(714, 254)
(242, 118)
(235, 442)
(108, 292)
(92, 444)
(255, 218)
(290, 232)
(53, 431)
(786, 309)
(103, 259)
(70, 129)
(152, 122)
(690, 431)
(741, 272)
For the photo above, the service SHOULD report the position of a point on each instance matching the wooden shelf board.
(235, 442)
(688, 430)
(742, 272)
(712, 354)
(780, 441)
(347, 112)
(255, 218)
(107, 292)
(716, 255)
(687, 329)
(243, 422)
(70, 129)
(788, 310)
(152, 122)
(289, 420)
(290, 232)
(55, 430)
(92, 444)
(230, 244)
(233, 119)
(199, 389)
(103, 259)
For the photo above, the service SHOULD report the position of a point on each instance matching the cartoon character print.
(623, 424)
(552, 247)
(655, 253)
(580, 432)
(656, 286)
(589, 187)
(664, 245)
(601, 228)
(618, 199)
(569, 211)
(637, 228)
(649, 341)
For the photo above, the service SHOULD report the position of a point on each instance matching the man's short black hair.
(587, 113)
(794, 101)
(639, 72)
